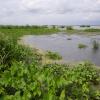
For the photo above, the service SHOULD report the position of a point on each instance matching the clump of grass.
(92, 30)
(53, 55)
(95, 45)
(82, 46)
(69, 39)
(69, 28)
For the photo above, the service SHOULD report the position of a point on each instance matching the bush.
(53, 55)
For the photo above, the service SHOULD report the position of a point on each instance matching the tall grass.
(53, 55)
(10, 51)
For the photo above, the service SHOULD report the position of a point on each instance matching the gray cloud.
(61, 6)
(49, 11)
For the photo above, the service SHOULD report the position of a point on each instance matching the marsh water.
(67, 46)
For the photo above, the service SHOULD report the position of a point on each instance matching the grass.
(15, 33)
(69, 28)
(23, 77)
(82, 46)
(92, 30)
(10, 51)
(86, 31)
(53, 55)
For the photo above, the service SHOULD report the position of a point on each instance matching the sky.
(50, 12)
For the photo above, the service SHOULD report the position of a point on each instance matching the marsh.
(68, 49)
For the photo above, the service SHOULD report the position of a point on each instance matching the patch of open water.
(67, 46)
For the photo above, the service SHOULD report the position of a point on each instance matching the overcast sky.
(67, 12)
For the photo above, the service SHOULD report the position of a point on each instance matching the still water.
(67, 46)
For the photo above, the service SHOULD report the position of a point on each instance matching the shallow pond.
(67, 46)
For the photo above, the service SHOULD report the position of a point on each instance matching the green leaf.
(62, 95)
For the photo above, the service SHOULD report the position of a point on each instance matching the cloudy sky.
(67, 12)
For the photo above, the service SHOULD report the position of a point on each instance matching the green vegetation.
(95, 45)
(10, 51)
(81, 46)
(92, 30)
(14, 32)
(50, 82)
(69, 28)
(53, 55)
(84, 31)
(23, 77)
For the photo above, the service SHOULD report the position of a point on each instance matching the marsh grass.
(82, 46)
(69, 28)
(53, 55)
(23, 77)
(92, 30)
(10, 51)
(15, 33)
(95, 45)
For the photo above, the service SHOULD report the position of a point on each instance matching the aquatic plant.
(95, 45)
(53, 55)
(82, 46)
(69, 28)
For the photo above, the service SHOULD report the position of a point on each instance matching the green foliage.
(53, 55)
(92, 30)
(49, 82)
(14, 32)
(81, 46)
(10, 51)
(23, 77)
(69, 28)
